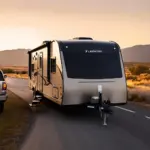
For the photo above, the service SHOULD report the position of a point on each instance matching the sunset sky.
(25, 24)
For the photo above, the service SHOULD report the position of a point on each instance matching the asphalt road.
(128, 128)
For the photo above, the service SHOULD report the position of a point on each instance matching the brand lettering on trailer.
(93, 51)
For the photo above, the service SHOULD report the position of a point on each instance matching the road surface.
(128, 128)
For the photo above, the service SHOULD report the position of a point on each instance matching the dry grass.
(139, 92)
(138, 95)
(138, 85)
(13, 75)
(130, 64)
(14, 122)
(142, 83)
(17, 68)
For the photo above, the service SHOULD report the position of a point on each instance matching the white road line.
(147, 117)
(125, 109)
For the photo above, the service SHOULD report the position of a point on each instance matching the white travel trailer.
(78, 71)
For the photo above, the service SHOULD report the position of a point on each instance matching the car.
(3, 90)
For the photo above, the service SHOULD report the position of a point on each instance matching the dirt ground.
(14, 122)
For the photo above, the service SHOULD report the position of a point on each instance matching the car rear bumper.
(3, 98)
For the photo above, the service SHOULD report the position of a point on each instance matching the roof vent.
(82, 38)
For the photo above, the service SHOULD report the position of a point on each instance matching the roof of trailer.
(110, 43)
(85, 41)
(75, 41)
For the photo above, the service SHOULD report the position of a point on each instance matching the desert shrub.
(23, 72)
(133, 97)
(136, 98)
(17, 72)
(139, 69)
(8, 70)
(147, 77)
(131, 77)
(130, 86)
(134, 78)
(143, 76)
(142, 99)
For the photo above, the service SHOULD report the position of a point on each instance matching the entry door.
(40, 72)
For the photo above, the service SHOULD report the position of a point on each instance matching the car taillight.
(4, 86)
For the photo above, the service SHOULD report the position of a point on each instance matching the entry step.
(38, 97)
(35, 101)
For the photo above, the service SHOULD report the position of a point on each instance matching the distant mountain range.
(137, 53)
(19, 57)
(15, 57)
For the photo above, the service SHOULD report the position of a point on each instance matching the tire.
(1, 107)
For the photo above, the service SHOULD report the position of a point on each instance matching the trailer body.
(70, 72)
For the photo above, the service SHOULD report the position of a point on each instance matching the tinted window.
(41, 61)
(92, 61)
(1, 76)
(32, 67)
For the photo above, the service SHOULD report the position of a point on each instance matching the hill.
(16, 57)
(138, 53)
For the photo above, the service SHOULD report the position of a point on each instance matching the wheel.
(1, 107)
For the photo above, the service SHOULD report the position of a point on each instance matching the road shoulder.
(15, 122)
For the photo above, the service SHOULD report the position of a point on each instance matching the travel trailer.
(78, 71)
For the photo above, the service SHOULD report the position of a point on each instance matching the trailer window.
(32, 67)
(41, 61)
(53, 65)
(92, 64)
